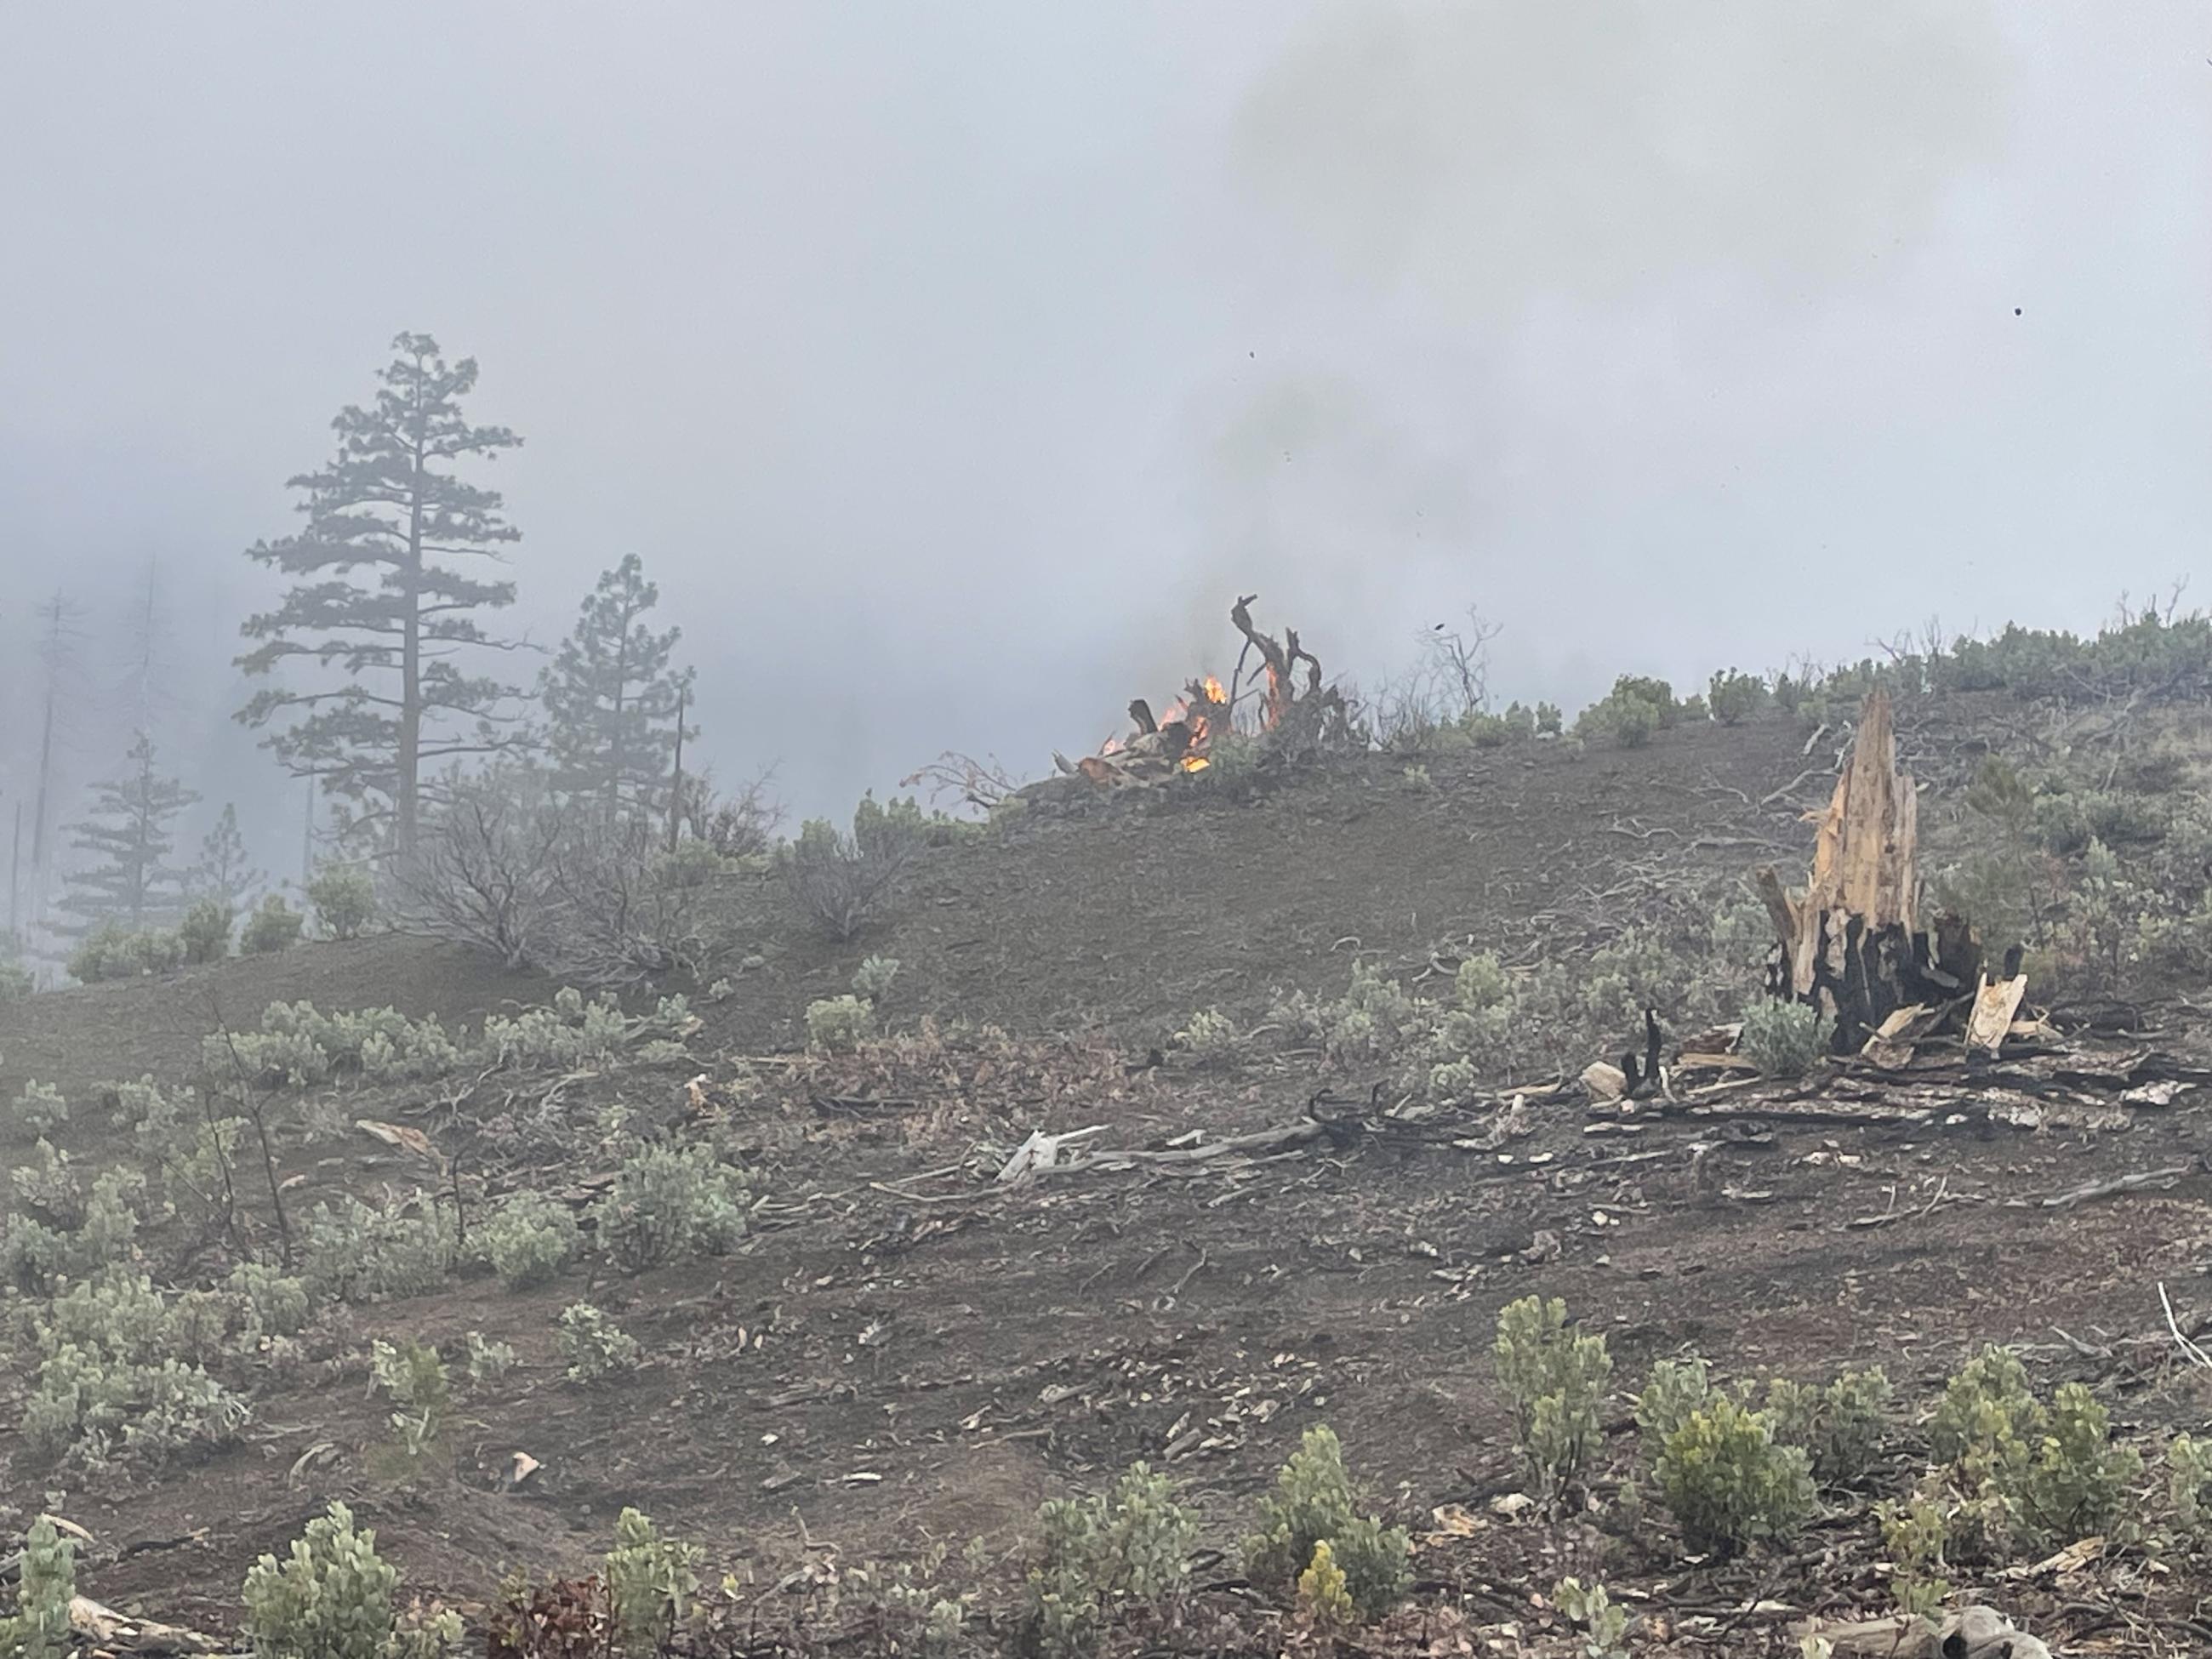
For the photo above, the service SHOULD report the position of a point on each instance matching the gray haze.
(952, 367)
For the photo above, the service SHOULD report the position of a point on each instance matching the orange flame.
(1214, 693)
(1195, 763)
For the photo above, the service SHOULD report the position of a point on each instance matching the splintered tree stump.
(1852, 944)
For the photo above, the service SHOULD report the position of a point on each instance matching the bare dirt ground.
(906, 1351)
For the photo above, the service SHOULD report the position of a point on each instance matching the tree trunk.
(1852, 944)
(408, 763)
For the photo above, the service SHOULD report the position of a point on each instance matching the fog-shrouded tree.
(612, 701)
(370, 644)
(128, 837)
(224, 870)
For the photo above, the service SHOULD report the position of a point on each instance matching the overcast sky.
(952, 367)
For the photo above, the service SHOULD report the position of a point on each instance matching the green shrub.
(1556, 1382)
(872, 980)
(39, 1628)
(1211, 1035)
(650, 1583)
(2079, 1480)
(272, 925)
(1313, 1503)
(1675, 1390)
(1915, 1534)
(1784, 1039)
(60, 1230)
(1605, 1626)
(344, 900)
(529, 1239)
(109, 1387)
(333, 1597)
(2189, 1486)
(1735, 697)
(353, 1252)
(1987, 1401)
(1728, 1483)
(592, 1346)
(41, 1108)
(1105, 1555)
(1840, 1427)
(413, 1376)
(487, 1361)
(839, 1025)
(666, 1203)
(843, 881)
(1632, 712)
(1375, 1019)
(276, 1303)
(205, 933)
(1550, 721)
(15, 982)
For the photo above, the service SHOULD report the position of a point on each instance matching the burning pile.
(1183, 738)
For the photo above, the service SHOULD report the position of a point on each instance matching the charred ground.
(903, 1351)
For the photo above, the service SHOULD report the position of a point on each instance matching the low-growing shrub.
(843, 881)
(333, 1597)
(650, 1583)
(1915, 1533)
(2078, 1479)
(276, 1303)
(205, 933)
(1735, 697)
(344, 900)
(529, 1239)
(108, 1386)
(487, 1361)
(839, 1025)
(1211, 1035)
(1727, 1481)
(111, 952)
(592, 1346)
(871, 980)
(1556, 1381)
(1105, 1555)
(1313, 1503)
(1784, 1039)
(270, 926)
(666, 1203)
(1840, 1427)
(1324, 1596)
(2189, 1486)
(414, 1377)
(1605, 1626)
(39, 1628)
(41, 1107)
(1676, 1389)
(15, 982)
(1373, 1019)
(354, 1252)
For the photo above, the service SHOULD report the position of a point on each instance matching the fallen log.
(1973, 1633)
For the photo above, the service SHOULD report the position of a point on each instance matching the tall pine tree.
(129, 835)
(611, 700)
(382, 613)
(224, 870)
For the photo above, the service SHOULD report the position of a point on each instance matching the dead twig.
(2126, 1184)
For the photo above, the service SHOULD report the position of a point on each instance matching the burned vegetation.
(1323, 1173)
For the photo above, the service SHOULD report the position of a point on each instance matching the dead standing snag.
(1853, 945)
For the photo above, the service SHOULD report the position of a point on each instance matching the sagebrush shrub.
(668, 1202)
(1784, 1039)
(276, 1303)
(109, 1385)
(1373, 1019)
(2078, 1479)
(1313, 1502)
(1556, 1382)
(592, 1346)
(529, 1239)
(1105, 1555)
(271, 925)
(650, 1582)
(839, 1025)
(1735, 697)
(353, 1252)
(1727, 1481)
(487, 1361)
